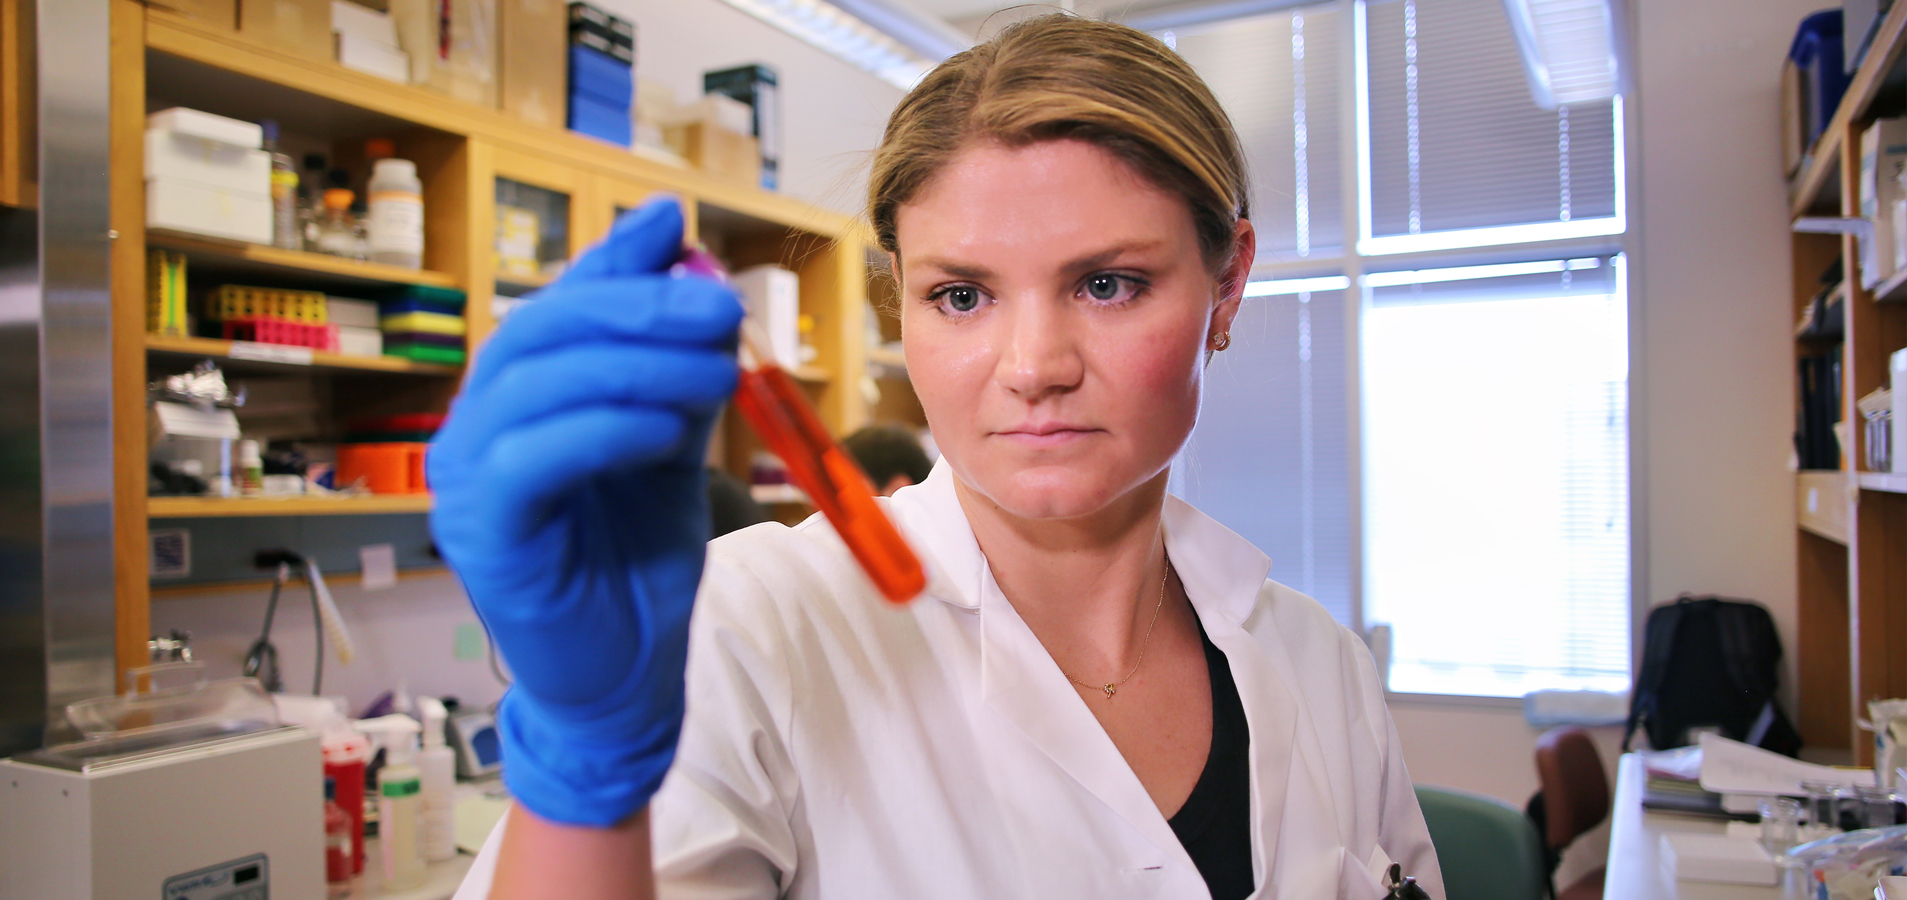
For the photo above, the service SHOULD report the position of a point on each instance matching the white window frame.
(1367, 262)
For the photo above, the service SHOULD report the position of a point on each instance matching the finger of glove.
(644, 241)
(527, 472)
(654, 309)
(598, 373)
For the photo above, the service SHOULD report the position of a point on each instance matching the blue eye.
(962, 299)
(1102, 287)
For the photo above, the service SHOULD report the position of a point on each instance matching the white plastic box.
(217, 212)
(356, 341)
(1898, 373)
(178, 156)
(345, 312)
(1883, 156)
(205, 174)
(771, 296)
(237, 132)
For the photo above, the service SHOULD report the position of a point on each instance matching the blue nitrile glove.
(570, 500)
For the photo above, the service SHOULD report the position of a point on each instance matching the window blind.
(1277, 77)
(1456, 140)
(1270, 457)
(1496, 478)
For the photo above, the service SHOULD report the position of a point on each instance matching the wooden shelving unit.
(270, 356)
(462, 153)
(213, 507)
(237, 259)
(1851, 540)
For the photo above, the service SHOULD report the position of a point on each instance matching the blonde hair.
(1065, 77)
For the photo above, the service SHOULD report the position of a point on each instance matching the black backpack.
(1710, 663)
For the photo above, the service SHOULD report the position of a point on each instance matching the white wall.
(834, 112)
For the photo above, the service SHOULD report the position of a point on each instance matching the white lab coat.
(838, 747)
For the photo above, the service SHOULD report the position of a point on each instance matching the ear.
(1231, 282)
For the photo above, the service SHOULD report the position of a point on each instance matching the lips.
(1046, 434)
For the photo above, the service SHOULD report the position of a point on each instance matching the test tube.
(1780, 824)
(781, 416)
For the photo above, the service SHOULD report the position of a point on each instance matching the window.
(1459, 153)
(1271, 456)
(1443, 449)
(1495, 442)
(1278, 77)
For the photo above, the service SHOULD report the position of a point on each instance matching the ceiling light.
(901, 50)
(1569, 50)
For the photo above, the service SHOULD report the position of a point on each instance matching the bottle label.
(397, 222)
(404, 788)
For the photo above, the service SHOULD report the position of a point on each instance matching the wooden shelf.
(524, 282)
(1893, 289)
(211, 507)
(319, 360)
(232, 256)
(1821, 167)
(810, 374)
(1890, 482)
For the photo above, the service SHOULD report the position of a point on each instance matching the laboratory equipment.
(473, 738)
(782, 417)
(1875, 806)
(1825, 801)
(193, 792)
(1845, 866)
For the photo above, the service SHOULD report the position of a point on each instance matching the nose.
(1041, 358)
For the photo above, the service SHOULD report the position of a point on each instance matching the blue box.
(600, 77)
(590, 116)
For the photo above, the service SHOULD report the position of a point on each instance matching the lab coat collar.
(1223, 575)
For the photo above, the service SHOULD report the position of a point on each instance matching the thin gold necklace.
(1113, 687)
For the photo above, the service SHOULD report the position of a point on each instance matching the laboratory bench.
(1635, 848)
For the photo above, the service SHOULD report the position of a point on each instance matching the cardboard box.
(362, 22)
(221, 14)
(373, 58)
(301, 27)
(532, 78)
(717, 151)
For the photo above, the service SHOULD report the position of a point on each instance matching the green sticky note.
(469, 641)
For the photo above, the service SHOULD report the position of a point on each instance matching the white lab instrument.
(473, 738)
(936, 750)
(215, 801)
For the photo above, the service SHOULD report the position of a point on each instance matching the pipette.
(782, 417)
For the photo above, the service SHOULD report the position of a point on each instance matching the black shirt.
(1215, 822)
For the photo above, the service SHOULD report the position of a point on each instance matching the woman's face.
(1056, 312)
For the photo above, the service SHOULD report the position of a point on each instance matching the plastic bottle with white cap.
(438, 766)
(400, 832)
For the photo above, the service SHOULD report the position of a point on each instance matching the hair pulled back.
(1065, 77)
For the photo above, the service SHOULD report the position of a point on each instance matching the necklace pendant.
(1109, 689)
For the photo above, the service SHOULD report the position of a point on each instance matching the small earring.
(1221, 340)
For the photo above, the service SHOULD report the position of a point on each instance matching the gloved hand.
(569, 498)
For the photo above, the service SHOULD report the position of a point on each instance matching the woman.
(1099, 694)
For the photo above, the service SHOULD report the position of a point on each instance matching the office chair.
(1573, 799)
(1488, 849)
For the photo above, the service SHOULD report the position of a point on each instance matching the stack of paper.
(1716, 857)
